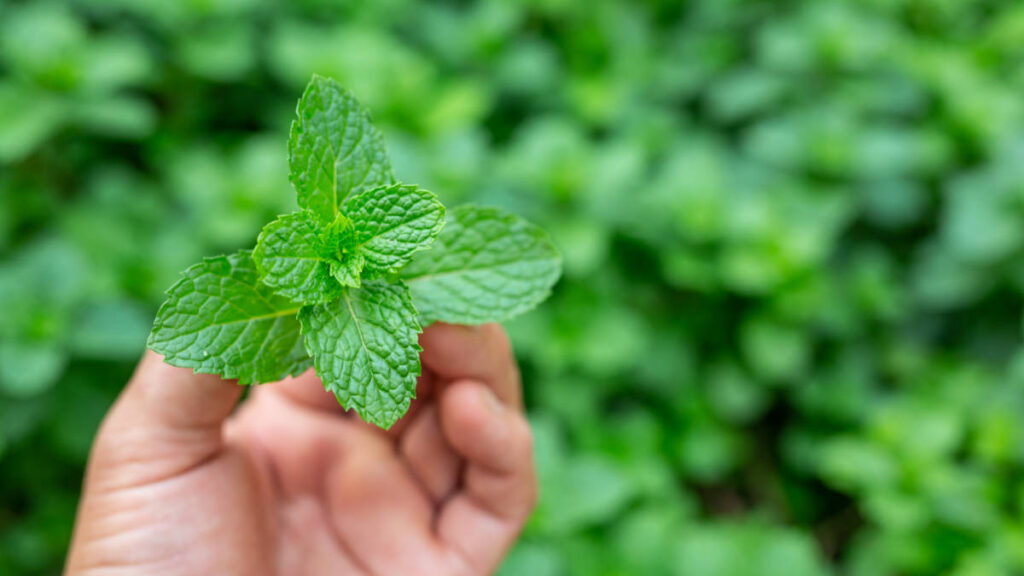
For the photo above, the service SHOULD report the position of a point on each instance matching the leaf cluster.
(346, 283)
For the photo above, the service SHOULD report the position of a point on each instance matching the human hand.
(291, 484)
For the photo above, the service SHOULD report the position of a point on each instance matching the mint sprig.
(346, 284)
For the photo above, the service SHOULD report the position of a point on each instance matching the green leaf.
(220, 319)
(347, 272)
(392, 223)
(297, 259)
(365, 349)
(486, 266)
(110, 330)
(28, 117)
(334, 150)
(29, 368)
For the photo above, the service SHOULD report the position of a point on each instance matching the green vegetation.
(306, 295)
(787, 340)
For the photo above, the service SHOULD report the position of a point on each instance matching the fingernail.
(492, 401)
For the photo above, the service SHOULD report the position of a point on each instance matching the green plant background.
(787, 340)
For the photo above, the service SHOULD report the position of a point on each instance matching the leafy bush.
(788, 335)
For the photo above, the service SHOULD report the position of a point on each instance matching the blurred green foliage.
(788, 336)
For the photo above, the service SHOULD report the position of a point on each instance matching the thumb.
(167, 420)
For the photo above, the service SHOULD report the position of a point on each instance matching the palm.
(368, 500)
(293, 485)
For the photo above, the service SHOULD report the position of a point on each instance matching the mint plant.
(346, 284)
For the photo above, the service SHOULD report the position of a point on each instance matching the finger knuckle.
(522, 436)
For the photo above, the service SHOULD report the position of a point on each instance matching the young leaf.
(295, 259)
(334, 150)
(220, 319)
(348, 272)
(365, 349)
(486, 266)
(392, 223)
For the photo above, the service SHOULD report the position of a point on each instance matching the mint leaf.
(486, 266)
(334, 150)
(392, 223)
(220, 319)
(296, 259)
(347, 272)
(364, 347)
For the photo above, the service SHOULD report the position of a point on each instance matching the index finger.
(482, 353)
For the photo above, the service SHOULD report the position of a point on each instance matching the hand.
(291, 484)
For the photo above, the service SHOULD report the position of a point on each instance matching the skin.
(184, 480)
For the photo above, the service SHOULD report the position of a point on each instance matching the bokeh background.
(788, 336)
